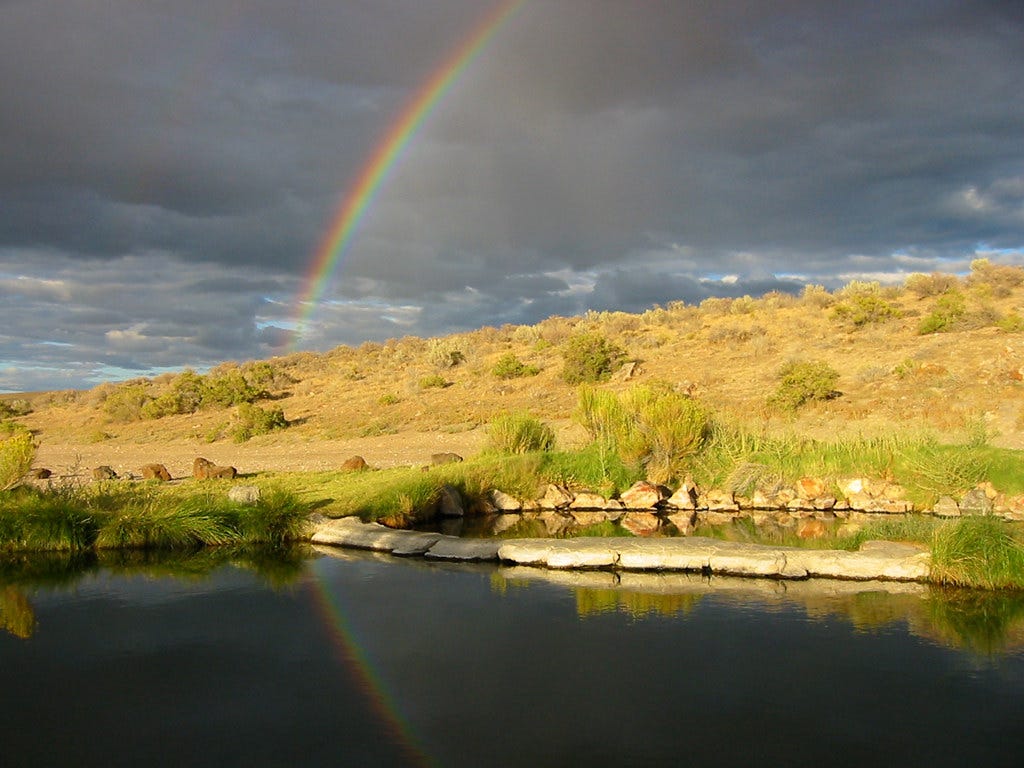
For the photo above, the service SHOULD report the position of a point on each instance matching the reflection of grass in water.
(591, 602)
(16, 614)
(980, 622)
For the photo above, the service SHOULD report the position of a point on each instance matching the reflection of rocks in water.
(984, 623)
(16, 614)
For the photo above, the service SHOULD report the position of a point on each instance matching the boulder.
(103, 472)
(226, 473)
(444, 458)
(201, 468)
(588, 500)
(354, 464)
(245, 494)
(946, 506)
(155, 472)
(685, 497)
(450, 503)
(717, 500)
(503, 502)
(976, 502)
(555, 497)
(643, 495)
(811, 488)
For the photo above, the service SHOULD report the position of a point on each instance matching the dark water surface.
(355, 660)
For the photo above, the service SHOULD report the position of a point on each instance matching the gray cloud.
(168, 169)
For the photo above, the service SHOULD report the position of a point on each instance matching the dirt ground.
(70, 460)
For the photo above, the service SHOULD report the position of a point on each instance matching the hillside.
(939, 353)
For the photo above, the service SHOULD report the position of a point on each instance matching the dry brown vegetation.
(396, 401)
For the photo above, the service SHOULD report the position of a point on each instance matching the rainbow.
(354, 205)
(330, 605)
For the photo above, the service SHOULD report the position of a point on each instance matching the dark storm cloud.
(169, 168)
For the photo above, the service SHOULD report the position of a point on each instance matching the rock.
(450, 503)
(810, 488)
(812, 529)
(685, 497)
(155, 472)
(451, 548)
(718, 500)
(201, 468)
(642, 495)
(103, 472)
(39, 473)
(245, 494)
(354, 464)
(976, 502)
(503, 502)
(555, 497)
(225, 473)
(946, 506)
(588, 500)
(444, 458)
(503, 523)
(852, 486)
(640, 523)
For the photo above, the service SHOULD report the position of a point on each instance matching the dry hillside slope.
(938, 353)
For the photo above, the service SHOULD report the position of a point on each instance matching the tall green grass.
(113, 515)
(978, 552)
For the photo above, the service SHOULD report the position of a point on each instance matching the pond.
(346, 658)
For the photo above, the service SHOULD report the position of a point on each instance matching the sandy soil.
(69, 460)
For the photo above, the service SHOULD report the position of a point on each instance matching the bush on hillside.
(590, 357)
(934, 284)
(800, 383)
(950, 310)
(511, 367)
(253, 420)
(862, 303)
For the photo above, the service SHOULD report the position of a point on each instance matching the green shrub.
(126, 402)
(511, 367)
(801, 383)
(389, 398)
(511, 433)
(253, 420)
(434, 381)
(863, 303)
(949, 311)
(230, 388)
(16, 455)
(1012, 323)
(590, 357)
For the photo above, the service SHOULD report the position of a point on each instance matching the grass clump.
(434, 381)
(652, 427)
(978, 552)
(590, 357)
(863, 303)
(17, 453)
(803, 382)
(511, 433)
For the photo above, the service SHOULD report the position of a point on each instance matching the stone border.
(876, 560)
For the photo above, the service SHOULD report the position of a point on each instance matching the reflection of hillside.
(16, 614)
(981, 622)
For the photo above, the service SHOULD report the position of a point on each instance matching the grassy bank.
(122, 516)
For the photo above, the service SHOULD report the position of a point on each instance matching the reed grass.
(978, 552)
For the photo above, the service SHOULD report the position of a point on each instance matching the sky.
(169, 169)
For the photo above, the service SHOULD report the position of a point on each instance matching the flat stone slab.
(883, 560)
(352, 532)
(468, 550)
